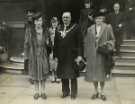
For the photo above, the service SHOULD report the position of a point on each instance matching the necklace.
(64, 32)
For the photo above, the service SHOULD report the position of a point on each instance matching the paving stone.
(15, 89)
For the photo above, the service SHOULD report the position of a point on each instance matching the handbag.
(108, 55)
(79, 67)
(104, 50)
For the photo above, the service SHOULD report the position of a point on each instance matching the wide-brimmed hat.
(99, 14)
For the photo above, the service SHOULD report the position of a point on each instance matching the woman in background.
(52, 61)
(27, 41)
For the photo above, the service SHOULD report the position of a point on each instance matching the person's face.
(66, 18)
(99, 20)
(38, 22)
(116, 7)
(29, 15)
(87, 5)
(54, 24)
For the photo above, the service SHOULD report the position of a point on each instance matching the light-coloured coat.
(95, 68)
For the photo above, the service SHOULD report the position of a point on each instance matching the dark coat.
(115, 20)
(130, 21)
(66, 50)
(84, 21)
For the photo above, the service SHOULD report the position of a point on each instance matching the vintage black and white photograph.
(67, 51)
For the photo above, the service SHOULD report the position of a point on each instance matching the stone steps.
(125, 73)
(12, 67)
(128, 42)
(125, 59)
(127, 53)
(128, 47)
(125, 64)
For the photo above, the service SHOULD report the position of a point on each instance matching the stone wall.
(13, 13)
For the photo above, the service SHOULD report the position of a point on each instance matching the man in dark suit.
(67, 50)
(130, 19)
(116, 20)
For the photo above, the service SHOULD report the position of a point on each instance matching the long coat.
(66, 50)
(130, 22)
(84, 21)
(37, 54)
(95, 68)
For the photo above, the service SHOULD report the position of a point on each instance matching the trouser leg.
(74, 87)
(119, 40)
(65, 86)
(26, 66)
(117, 46)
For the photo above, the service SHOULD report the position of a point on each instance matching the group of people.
(116, 18)
(60, 46)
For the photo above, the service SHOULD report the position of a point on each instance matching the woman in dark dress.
(53, 63)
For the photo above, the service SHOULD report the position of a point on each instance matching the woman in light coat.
(97, 35)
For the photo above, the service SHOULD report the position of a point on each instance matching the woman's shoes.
(100, 96)
(31, 81)
(43, 96)
(36, 96)
(95, 96)
(55, 80)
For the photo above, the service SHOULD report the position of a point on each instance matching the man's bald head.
(66, 14)
(66, 17)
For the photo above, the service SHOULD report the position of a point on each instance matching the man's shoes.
(43, 96)
(94, 96)
(31, 81)
(65, 95)
(36, 96)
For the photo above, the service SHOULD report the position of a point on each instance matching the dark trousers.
(119, 40)
(26, 66)
(66, 87)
